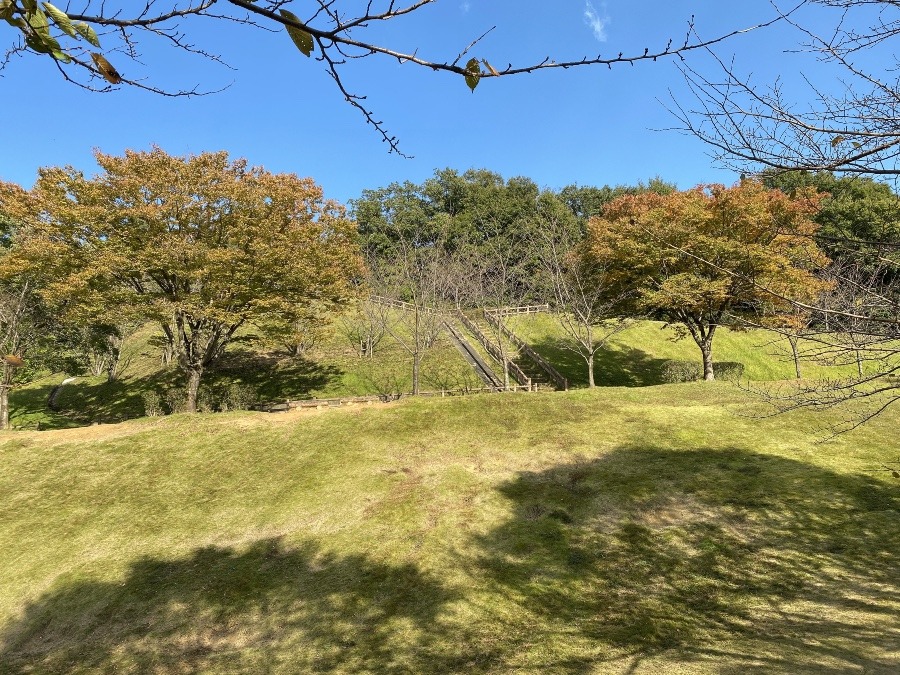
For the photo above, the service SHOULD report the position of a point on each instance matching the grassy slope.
(610, 531)
(636, 355)
(332, 369)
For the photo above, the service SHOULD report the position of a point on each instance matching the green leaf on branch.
(85, 31)
(38, 21)
(473, 74)
(61, 19)
(301, 38)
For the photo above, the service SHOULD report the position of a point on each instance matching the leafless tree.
(855, 326)
(86, 39)
(849, 118)
(415, 280)
(581, 298)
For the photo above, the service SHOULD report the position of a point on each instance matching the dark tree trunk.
(193, 389)
(5, 385)
(793, 340)
(706, 350)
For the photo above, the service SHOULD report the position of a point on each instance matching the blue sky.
(591, 126)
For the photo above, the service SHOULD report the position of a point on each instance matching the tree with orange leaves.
(700, 257)
(201, 245)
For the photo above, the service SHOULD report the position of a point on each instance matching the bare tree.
(582, 300)
(24, 325)
(413, 280)
(852, 129)
(84, 42)
(365, 326)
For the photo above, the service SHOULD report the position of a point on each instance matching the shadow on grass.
(274, 377)
(621, 367)
(28, 409)
(646, 559)
(747, 562)
(85, 402)
(259, 610)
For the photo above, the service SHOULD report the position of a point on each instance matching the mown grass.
(330, 369)
(636, 355)
(620, 530)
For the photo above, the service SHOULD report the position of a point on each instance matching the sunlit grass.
(635, 356)
(655, 529)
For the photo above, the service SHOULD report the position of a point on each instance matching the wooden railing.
(523, 309)
(557, 377)
(514, 370)
(400, 304)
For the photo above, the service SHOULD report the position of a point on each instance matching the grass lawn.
(619, 530)
(636, 355)
(330, 369)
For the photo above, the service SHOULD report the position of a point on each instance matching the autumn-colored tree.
(200, 244)
(26, 323)
(702, 256)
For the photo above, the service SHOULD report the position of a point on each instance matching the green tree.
(859, 217)
(202, 245)
(699, 257)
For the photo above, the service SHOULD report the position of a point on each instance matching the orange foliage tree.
(701, 257)
(200, 244)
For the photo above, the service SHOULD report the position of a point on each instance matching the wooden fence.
(514, 370)
(523, 309)
(321, 403)
(400, 304)
(555, 376)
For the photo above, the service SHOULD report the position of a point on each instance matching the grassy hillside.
(636, 355)
(330, 369)
(621, 530)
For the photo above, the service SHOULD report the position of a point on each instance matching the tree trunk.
(590, 368)
(5, 384)
(706, 350)
(416, 359)
(193, 388)
(4, 407)
(112, 365)
(793, 340)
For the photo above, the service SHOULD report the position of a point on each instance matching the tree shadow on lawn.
(644, 559)
(28, 409)
(273, 376)
(269, 607)
(620, 367)
(740, 561)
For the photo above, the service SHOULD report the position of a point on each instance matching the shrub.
(152, 403)
(175, 400)
(681, 371)
(239, 396)
(728, 370)
(206, 401)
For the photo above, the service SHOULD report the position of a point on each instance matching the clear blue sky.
(591, 126)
